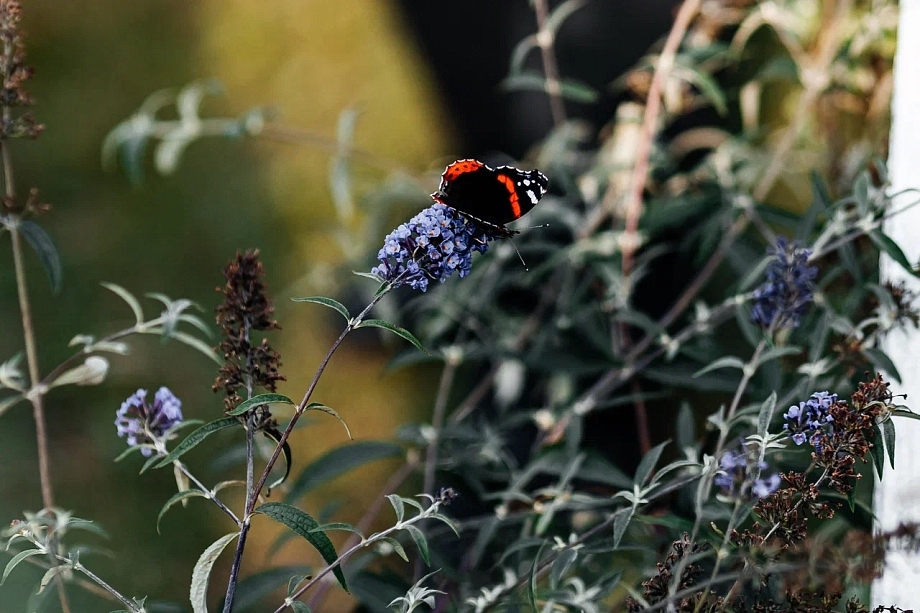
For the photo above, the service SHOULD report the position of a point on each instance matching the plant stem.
(36, 395)
(354, 323)
(108, 588)
(247, 520)
(550, 68)
(392, 484)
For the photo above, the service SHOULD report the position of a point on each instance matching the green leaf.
(397, 547)
(533, 81)
(881, 361)
(316, 406)
(891, 248)
(420, 541)
(302, 523)
(294, 583)
(367, 275)
(184, 495)
(851, 499)
(300, 607)
(10, 402)
(329, 302)
(401, 332)
(259, 400)
(777, 352)
(766, 414)
(560, 565)
(723, 362)
(878, 453)
(888, 434)
(339, 461)
(198, 592)
(19, 557)
(129, 298)
(620, 523)
(47, 252)
(286, 451)
(338, 526)
(644, 470)
(195, 343)
(708, 86)
(398, 506)
(532, 583)
(193, 439)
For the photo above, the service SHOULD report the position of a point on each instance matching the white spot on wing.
(533, 196)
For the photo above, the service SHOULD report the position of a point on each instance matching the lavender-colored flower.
(764, 487)
(735, 474)
(789, 289)
(432, 245)
(138, 421)
(810, 416)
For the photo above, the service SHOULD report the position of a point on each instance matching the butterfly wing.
(494, 195)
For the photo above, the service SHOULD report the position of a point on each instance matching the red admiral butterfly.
(490, 197)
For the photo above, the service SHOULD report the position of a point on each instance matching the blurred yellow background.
(95, 63)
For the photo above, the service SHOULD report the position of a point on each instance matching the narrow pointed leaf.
(397, 547)
(398, 506)
(316, 406)
(328, 302)
(259, 400)
(253, 591)
(723, 362)
(884, 243)
(878, 453)
(766, 414)
(201, 574)
(48, 254)
(303, 524)
(193, 439)
(19, 557)
(401, 332)
(420, 541)
(881, 361)
(888, 433)
(285, 451)
(338, 526)
(648, 463)
(127, 297)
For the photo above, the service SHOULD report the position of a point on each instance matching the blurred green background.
(95, 63)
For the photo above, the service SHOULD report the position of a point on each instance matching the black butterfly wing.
(496, 196)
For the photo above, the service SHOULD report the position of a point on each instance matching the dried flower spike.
(246, 308)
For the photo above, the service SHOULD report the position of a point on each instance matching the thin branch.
(545, 40)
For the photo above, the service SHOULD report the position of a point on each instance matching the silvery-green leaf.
(11, 376)
(19, 557)
(198, 592)
(92, 372)
(129, 298)
(183, 497)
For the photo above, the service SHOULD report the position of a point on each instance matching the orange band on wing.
(515, 205)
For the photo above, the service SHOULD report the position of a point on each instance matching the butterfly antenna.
(520, 257)
(542, 225)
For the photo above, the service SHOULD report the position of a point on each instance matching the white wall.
(897, 497)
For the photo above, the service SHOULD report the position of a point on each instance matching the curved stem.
(550, 68)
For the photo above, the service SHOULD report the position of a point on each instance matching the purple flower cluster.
(138, 421)
(809, 417)
(734, 476)
(432, 245)
(789, 289)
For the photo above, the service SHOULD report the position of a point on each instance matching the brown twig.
(545, 40)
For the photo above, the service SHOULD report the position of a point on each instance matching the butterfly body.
(490, 197)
